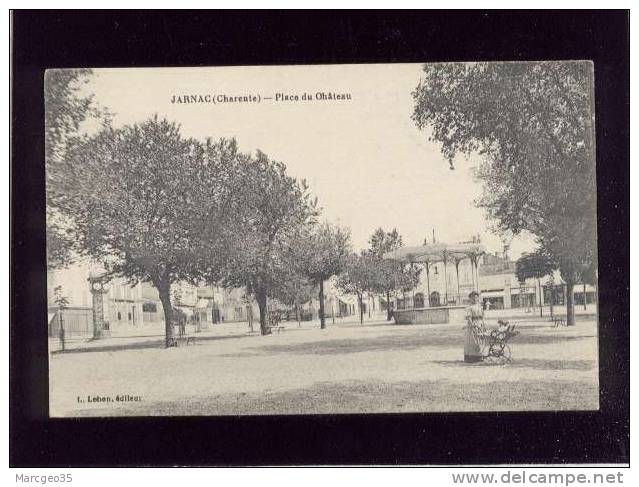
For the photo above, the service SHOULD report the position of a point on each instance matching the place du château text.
(279, 97)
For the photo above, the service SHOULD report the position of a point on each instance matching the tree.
(588, 274)
(390, 274)
(360, 276)
(62, 302)
(66, 108)
(531, 125)
(382, 242)
(322, 254)
(534, 266)
(59, 242)
(267, 213)
(294, 292)
(139, 198)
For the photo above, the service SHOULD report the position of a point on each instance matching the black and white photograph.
(382, 238)
(319, 238)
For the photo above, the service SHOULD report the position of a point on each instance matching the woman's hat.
(473, 293)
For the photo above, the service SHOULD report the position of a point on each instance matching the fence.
(436, 299)
(77, 322)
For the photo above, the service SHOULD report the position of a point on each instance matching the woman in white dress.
(474, 330)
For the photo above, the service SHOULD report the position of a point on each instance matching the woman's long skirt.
(472, 346)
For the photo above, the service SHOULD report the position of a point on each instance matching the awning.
(524, 290)
(492, 294)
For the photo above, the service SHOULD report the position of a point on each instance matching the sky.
(363, 158)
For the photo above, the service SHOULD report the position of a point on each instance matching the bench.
(558, 321)
(176, 341)
(274, 318)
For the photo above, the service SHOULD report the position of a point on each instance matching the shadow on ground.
(157, 343)
(446, 337)
(524, 363)
(406, 340)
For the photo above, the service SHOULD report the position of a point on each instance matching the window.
(149, 308)
(119, 316)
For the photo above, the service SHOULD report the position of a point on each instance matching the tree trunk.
(249, 317)
(321, 305)
(260, 296)
(585, 300)
(388, 309)
(297, 314)
(164, 291)
(361, 308)
(541, 306)
(570, 305)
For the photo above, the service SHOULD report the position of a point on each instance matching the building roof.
(437, 252)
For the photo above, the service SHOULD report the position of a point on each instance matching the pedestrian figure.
(182, 326)
(474, 330)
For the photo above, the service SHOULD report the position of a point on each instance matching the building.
(127, 307)
(500, 288)
(449, 282)
(131, 308)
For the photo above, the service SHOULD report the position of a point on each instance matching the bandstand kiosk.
(450, 256)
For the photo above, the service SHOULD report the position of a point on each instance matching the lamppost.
(98, 290)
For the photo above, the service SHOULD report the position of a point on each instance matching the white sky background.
(364, 159)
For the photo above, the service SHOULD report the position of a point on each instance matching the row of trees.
(369, 273)
(153, 205)
(532, 126)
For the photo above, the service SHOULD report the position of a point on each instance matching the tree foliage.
(139, 198)
(60, 242)
(267, 213)
(382, 242)
(533, 266)
(60, 300)
(391, 276)
(324, 251)
(67, 107)
(321, 254)
(532, 126)
(360, 276)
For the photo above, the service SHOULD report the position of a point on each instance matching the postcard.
(321, 239)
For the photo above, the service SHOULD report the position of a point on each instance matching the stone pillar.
(98, 290)
(507, 303)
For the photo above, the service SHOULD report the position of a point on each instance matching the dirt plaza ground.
(377, 367)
